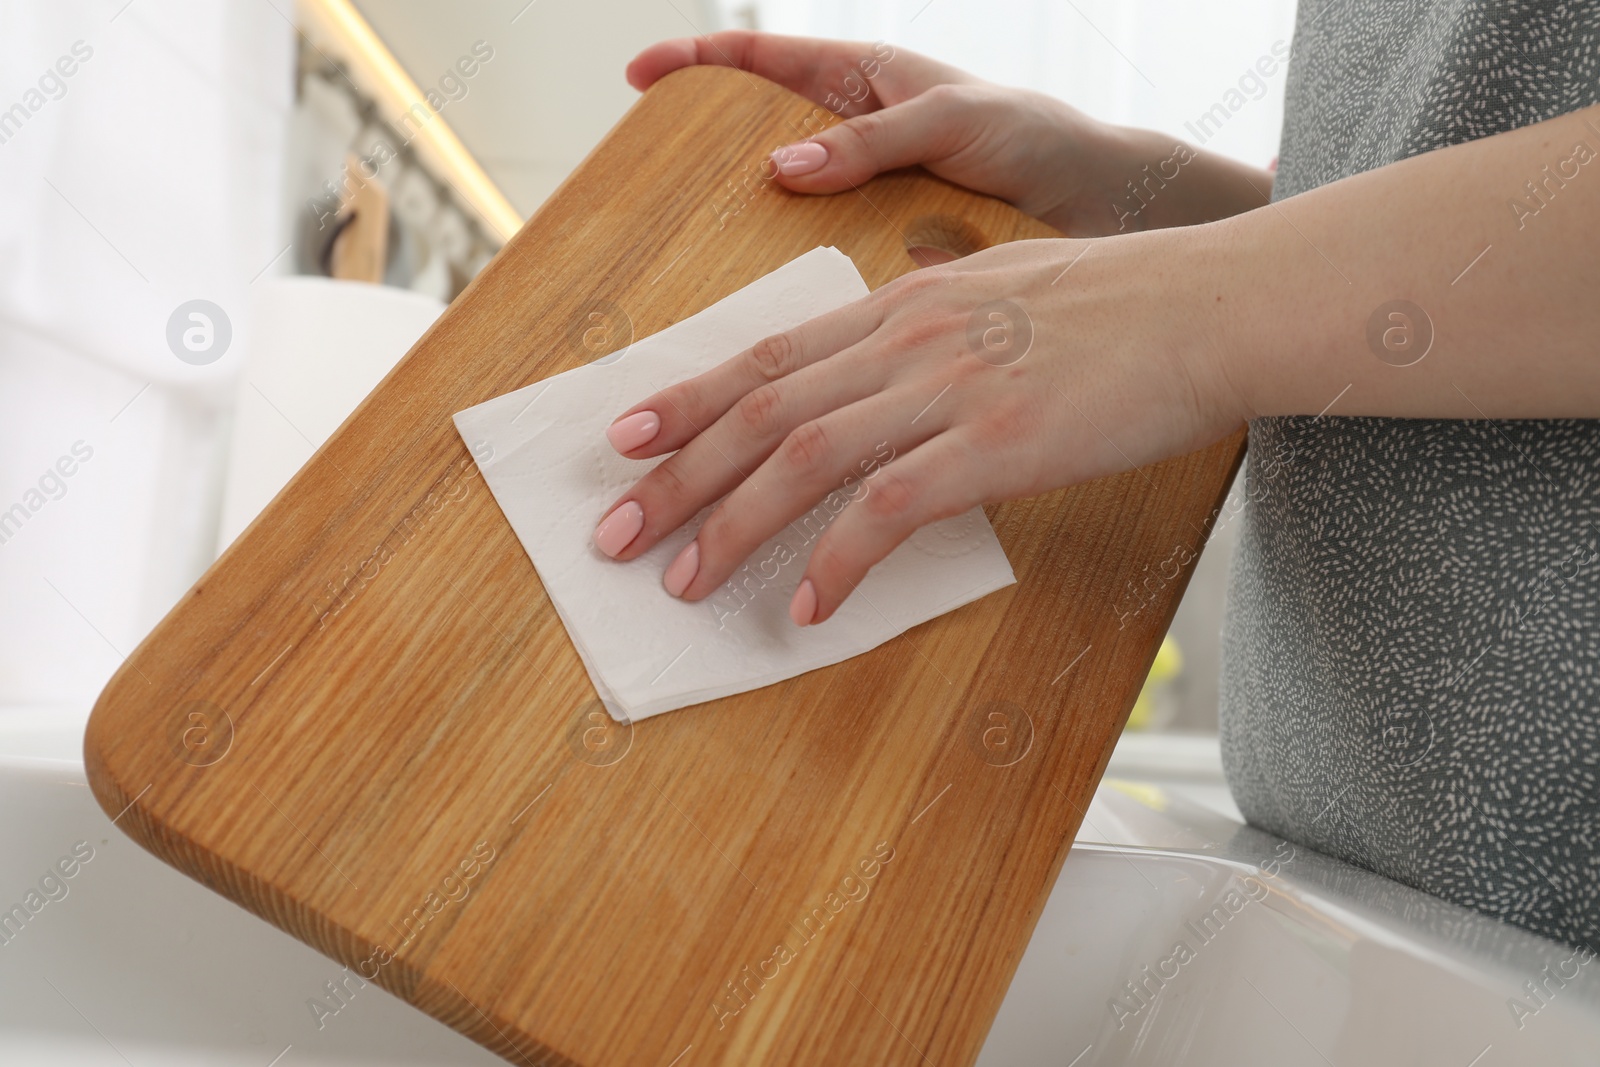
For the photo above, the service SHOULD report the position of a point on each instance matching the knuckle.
(867, 130)
(919, 329)
(907, 295)
(713, 534)
(760, 413)
(737, 39)
(773, 357)
(969, 105)
(687, 398)
(992, 439)
(828, 562)
(947, 95)
(806, 447)
(892, 497)
(997, 430)
(665, 483)
(912, 284)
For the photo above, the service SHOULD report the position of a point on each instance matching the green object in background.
(1157, 685)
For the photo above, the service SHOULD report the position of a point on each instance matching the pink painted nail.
(681, 571)
(637, 429)
(794, 160)
(618, 529)
(804, 605)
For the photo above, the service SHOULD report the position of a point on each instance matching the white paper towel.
(544, 455)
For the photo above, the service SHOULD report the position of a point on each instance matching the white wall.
(555, 84)
(1150, 63)
(150, 181)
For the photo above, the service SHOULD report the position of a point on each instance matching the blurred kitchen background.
(189, 304)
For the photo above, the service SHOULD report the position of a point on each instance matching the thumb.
(929, 127)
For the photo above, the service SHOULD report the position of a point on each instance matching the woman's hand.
(1083, 370)
(1084, 177)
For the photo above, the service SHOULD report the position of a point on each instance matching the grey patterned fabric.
(1411, 655)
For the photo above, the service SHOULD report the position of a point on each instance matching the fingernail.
(637, 429)
(618, 529)
(804, 604)
(794, 160)
(681, 571)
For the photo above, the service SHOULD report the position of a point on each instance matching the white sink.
(1317, 964)
(138, 965)
(1308, 961)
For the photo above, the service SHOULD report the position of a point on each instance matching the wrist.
(1232, 349)
(1278, 316)
(1151, 180)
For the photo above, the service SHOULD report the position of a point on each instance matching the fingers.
(771, 418)
(793, 62)
(904, 109)
(670, 419)
(816, 471)
(661, 59)
(937, 480)
(776, 58)
(932, 126)
(843, 76)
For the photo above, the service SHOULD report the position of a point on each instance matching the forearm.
(1506, 292)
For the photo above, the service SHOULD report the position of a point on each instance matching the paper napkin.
(544, 454)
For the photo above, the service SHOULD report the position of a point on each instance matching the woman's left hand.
(1009, 373)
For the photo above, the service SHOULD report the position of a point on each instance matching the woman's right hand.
(901, 109)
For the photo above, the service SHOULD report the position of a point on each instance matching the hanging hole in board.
(936, 239)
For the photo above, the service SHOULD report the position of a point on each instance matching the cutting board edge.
(1235, 446)
(273, 905)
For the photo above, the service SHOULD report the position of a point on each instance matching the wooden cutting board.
(366, 724)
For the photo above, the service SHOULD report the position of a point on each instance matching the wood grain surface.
(366, 724)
